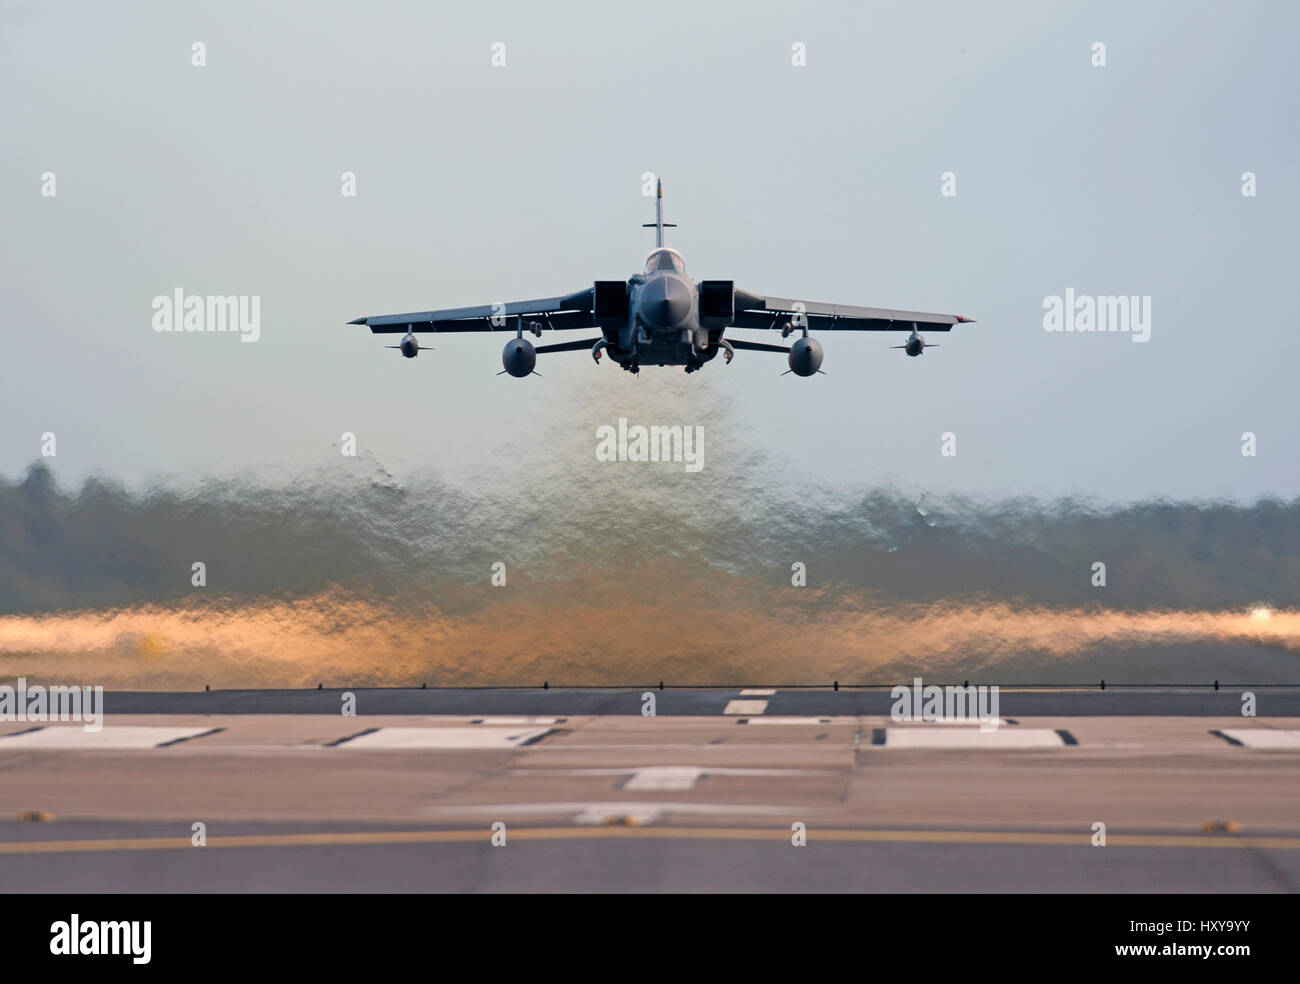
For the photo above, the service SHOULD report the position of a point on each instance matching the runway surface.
(619, 860)
(707, 795)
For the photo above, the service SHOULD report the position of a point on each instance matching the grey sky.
(478, 184)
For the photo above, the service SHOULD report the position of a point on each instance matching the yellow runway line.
(1083, 839)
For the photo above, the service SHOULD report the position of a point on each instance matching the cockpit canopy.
(665, 260)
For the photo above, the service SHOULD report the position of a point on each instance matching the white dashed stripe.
(936, 737)
(472, 737)
(115, 736)
(659, 777)
(664, 777)
(745, 707)
(793, 720)
(1264, 738)
(604, 814)
(515, 720)
(757, 693)
(605, 811)
(1002, 722)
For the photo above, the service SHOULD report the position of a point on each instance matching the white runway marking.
(964, 737)
(601, 813)
(74, 736)
(757, 693)
(670, 776)
(638, 814)
(1002, 722)
(1265, 738)
(745, 707)
(794, 720)
(677, 777)
(664, 777)
(478, 736)
(515, 721)
(606, 811)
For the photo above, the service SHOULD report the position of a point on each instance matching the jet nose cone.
(666, 302)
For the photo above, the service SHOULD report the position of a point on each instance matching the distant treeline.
(103, 545)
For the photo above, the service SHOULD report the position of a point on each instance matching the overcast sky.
(478, 183)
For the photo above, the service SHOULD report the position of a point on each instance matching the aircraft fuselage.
(663, 324)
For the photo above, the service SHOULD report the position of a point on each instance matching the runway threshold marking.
(776, 834)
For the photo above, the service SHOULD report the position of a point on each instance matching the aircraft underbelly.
(672, 353)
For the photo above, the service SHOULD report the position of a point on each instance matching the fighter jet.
(661, 317)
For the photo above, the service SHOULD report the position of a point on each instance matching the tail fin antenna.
(659, 225)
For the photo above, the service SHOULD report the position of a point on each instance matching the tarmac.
(761, 789)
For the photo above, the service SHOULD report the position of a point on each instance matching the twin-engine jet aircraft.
(661, 317)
